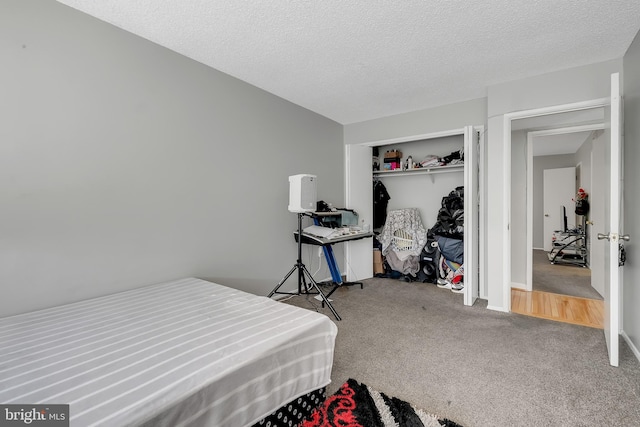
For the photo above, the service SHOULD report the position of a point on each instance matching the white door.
(471, 220)
(611, 239)
(559, 188)
(359, 197)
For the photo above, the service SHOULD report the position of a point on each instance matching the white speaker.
(302, 193)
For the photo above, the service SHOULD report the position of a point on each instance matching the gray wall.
(631, 290)
(124, 164)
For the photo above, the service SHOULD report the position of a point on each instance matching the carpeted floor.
(356, 404)
(475, 366)
(562, 279)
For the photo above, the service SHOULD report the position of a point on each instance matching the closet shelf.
(421, 171)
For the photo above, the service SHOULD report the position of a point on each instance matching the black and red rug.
(359, 405)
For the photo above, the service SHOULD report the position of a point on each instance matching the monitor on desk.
(338, 218)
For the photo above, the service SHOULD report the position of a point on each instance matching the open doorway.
(558, 148)
(552, 158)
(561, 162)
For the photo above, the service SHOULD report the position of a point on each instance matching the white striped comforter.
(187, 352)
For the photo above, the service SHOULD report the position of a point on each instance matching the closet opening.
(419, 175)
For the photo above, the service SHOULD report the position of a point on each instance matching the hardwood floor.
(561, 308)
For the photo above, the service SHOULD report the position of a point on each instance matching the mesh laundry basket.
(402, 240)
(403, 232)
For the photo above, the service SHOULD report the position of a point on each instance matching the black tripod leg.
(317, 288)
(303, 286)
(339, 285)
(335, 287)
(283, 280)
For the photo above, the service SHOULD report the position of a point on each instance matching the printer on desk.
(338, 218)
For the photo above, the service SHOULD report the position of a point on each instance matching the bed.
(186, 352)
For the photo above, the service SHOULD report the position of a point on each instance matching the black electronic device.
(429, 258)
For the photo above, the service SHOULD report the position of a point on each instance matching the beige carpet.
(476, 366)
(563, 279)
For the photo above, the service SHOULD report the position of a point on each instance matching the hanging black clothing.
(380, 201)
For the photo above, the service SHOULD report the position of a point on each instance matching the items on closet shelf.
(455, 158)
(392, 160)
(431, 160)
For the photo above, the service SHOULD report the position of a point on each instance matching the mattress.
(185, 352)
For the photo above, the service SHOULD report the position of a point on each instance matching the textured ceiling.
(358, 60)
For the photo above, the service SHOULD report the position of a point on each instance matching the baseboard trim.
(494, 308)
(633, 348)
(519, 285)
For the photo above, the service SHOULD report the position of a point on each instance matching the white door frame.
(530, 141)
(471, 214)
(506, 182)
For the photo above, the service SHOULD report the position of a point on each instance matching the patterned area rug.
(359, 405)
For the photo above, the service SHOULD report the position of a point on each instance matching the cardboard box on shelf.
(392, 154)
(377, 262)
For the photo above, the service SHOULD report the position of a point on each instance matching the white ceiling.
(358, 60)
(560, 133)
(551, 145)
